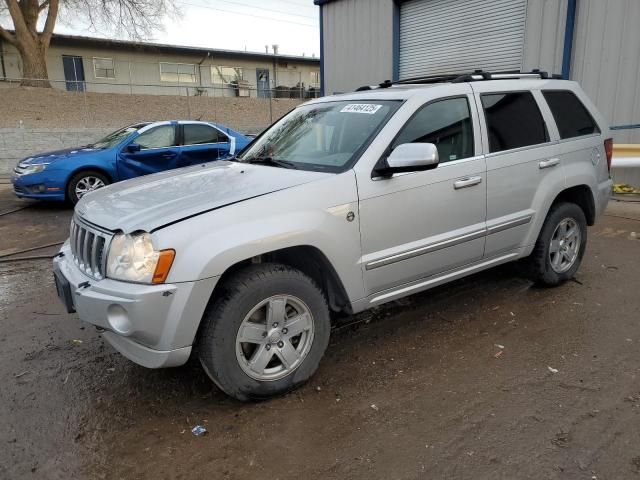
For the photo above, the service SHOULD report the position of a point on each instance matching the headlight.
(29, 169)
(132, 258)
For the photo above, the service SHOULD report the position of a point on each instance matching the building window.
(226, 74)
(315, 78)
(104, 67)
(178, 72)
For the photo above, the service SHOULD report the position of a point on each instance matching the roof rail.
(475, 76)
(479, 75)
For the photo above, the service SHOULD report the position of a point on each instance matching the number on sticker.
(368, 108)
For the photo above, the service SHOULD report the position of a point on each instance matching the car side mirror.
(133, 147)
(411, 157)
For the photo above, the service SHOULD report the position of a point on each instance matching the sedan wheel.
(88, 184)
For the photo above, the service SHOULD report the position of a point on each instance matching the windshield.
(116, 137)
(322, 137)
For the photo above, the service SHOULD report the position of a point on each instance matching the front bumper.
(45, 185)
(152, 325)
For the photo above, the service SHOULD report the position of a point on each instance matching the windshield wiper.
(271, 161)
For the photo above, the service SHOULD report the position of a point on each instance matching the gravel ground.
(488, 377)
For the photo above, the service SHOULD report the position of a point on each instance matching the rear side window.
(445, 123)
(571, 116)
(513, 120)
(196, 134)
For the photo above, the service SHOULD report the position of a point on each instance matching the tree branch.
(8, 37)
(52, 15)
(16, 16)
(43, 5)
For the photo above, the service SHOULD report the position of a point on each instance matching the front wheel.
(84, 182)
(265, 333)
(560, 247)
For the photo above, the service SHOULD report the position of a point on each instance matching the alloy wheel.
(565, 245)
(88, 184)
(274, 338)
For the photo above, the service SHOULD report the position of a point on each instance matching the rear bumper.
(605, 189)
(152, 325)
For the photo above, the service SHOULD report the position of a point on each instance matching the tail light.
(608, 149)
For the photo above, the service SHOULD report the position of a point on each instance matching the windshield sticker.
(368, 108)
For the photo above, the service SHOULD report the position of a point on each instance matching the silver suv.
(345, 203)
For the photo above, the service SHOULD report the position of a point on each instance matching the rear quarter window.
(571, 116)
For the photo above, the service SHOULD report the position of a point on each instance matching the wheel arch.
(582, 196)
(85, 168)
(308, 259)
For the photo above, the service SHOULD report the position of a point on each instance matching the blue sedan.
(130, 152)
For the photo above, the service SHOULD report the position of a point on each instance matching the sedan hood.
(148, 203)
(57, 155)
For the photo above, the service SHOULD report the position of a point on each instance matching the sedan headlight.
(28, 169)
(132, 258)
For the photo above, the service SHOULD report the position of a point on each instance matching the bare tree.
(135, 18)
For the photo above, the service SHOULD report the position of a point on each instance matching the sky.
(235, 25)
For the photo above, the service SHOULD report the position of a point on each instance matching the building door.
(458, 36)
(262, 80)
(73, 73)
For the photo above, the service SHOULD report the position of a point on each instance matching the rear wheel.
(84, 182)
(560, 246)
(266, 333)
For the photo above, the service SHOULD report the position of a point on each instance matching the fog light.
(118, 319)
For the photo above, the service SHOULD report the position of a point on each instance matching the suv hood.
(148, 203)
(57, 155)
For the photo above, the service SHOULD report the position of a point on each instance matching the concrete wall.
(18, 143)
(34, 120)
(139, 72)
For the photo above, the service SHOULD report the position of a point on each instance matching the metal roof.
(94, 42)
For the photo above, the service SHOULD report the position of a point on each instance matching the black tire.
(236, 298)
(541, 270)
(78, 177)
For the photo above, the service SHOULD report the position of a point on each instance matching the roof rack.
(479, 75)
(475, 76)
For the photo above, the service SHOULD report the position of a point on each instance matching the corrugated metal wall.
(358, 49)
(358, 43)
(544, 35)
(606, 60)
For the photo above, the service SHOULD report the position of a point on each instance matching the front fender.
(208, 244)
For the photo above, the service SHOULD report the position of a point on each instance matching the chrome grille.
(89, 248)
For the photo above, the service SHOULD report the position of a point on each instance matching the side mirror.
(411, 157)
(133, 147)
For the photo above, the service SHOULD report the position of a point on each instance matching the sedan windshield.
(323, 136)
(116, 137)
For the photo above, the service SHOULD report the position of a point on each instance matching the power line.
(206, 7)
(314, 17)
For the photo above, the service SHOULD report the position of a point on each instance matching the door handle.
(466, 182)
(168, 155)
(552, 162)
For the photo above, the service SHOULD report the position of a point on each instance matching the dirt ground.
(486, 378)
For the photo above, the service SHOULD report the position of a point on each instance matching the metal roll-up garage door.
(452, 36)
